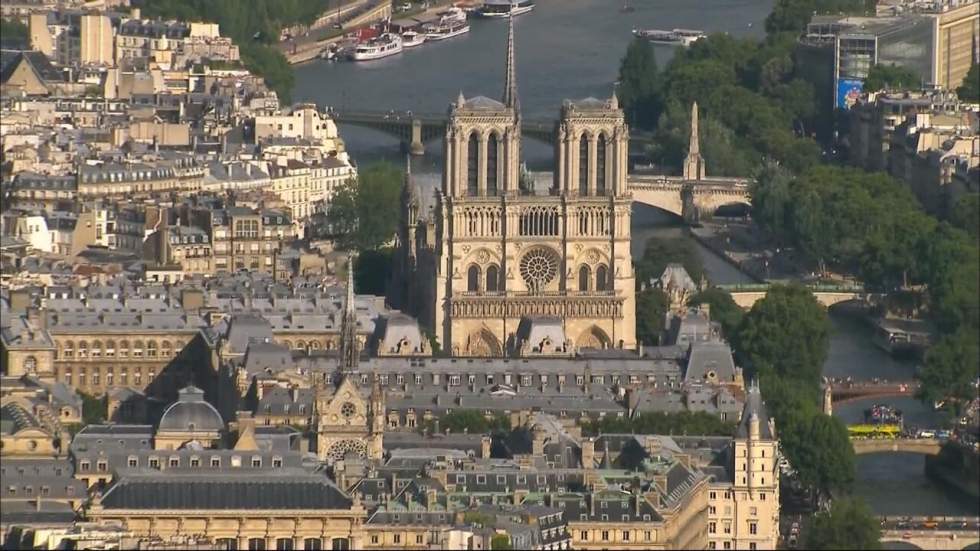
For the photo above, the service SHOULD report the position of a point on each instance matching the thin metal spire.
(510, 85)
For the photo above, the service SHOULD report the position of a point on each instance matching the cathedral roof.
(589, 103)
(482, 103)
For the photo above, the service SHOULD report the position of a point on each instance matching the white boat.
(505, 8)
(410, 39)
(452, 15)
(387, 44)
(681, 37)
(442, 32)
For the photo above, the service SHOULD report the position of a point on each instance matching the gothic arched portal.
(593, 337)
(484, 344)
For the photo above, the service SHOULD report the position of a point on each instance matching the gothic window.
(539, 267)
(473, 279)
(539, 221)
(493, 275)
(30, 365)
(339, 450)
(600, 165)
(472, 165)
(492, 164)
(584, 275)
(601, 278)
(583, 165)
(348, 410)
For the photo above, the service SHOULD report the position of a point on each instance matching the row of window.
(727, 527)
(155, 462)
(109, 349)
(524, 379)
(45, 491)
(281, 544)
(84, 379)
(627, 535)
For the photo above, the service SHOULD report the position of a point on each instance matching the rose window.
(348, 410)
(539, 267)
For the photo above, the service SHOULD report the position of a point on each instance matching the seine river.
(571, 49)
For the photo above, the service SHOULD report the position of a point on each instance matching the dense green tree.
(951, 368)
(638, 84)
(794, 15)
(786, 333)
(723, 308)
(94, 410)
(468, 420)
(820, 451)
(500, 541)
(364, 212)
(651, 311)
(970, 89)
(772, 199)
(966, 214)
(891, 77)
(658, 253)
(13, 29)
(952, 273)
(372, 269)
(850, 524)
(684, 422)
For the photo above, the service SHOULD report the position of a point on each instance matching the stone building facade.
(495, 248)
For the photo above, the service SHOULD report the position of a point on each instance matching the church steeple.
(694, 163)
(349, 355)
(510, 84)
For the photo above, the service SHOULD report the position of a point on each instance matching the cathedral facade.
(494, 249)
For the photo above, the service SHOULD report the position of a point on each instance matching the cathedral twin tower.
(505, 264)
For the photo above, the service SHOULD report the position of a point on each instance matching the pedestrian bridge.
(850, 392)
(926, 446)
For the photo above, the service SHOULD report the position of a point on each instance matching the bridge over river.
(925, 446)
(932, 532)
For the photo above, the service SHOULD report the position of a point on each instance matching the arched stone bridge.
(690, 199)
(414, 129)
(932, 532)
(849, 392)
(927, 446)
(828, 295)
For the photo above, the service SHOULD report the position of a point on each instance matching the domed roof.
(191, 413)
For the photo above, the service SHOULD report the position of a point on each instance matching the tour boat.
(452, 15)
(410, 39)
(505, 8)
(385, 45)
(682, 37)
(444, 31)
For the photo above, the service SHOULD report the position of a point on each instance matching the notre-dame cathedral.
(496, 265)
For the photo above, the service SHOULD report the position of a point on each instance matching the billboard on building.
(848, 91)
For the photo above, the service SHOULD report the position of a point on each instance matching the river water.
(571, 49)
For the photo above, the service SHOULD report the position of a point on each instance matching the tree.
(685, 422)
(94, 410)
(500, 541)
(12, 29)
(637, 91)
(970, 89)
(372, 269)
(786, 333)
(470, 421)
(966, 214)
(723, 308)
(821, 452)
(951, 368)
(891, 77)
(849, 524)
(651, 312)
(771, 198)
(658, 253)
(364, 212)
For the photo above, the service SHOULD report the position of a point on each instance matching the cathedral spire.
(694, 163)
(510, 85)
(349, 355)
